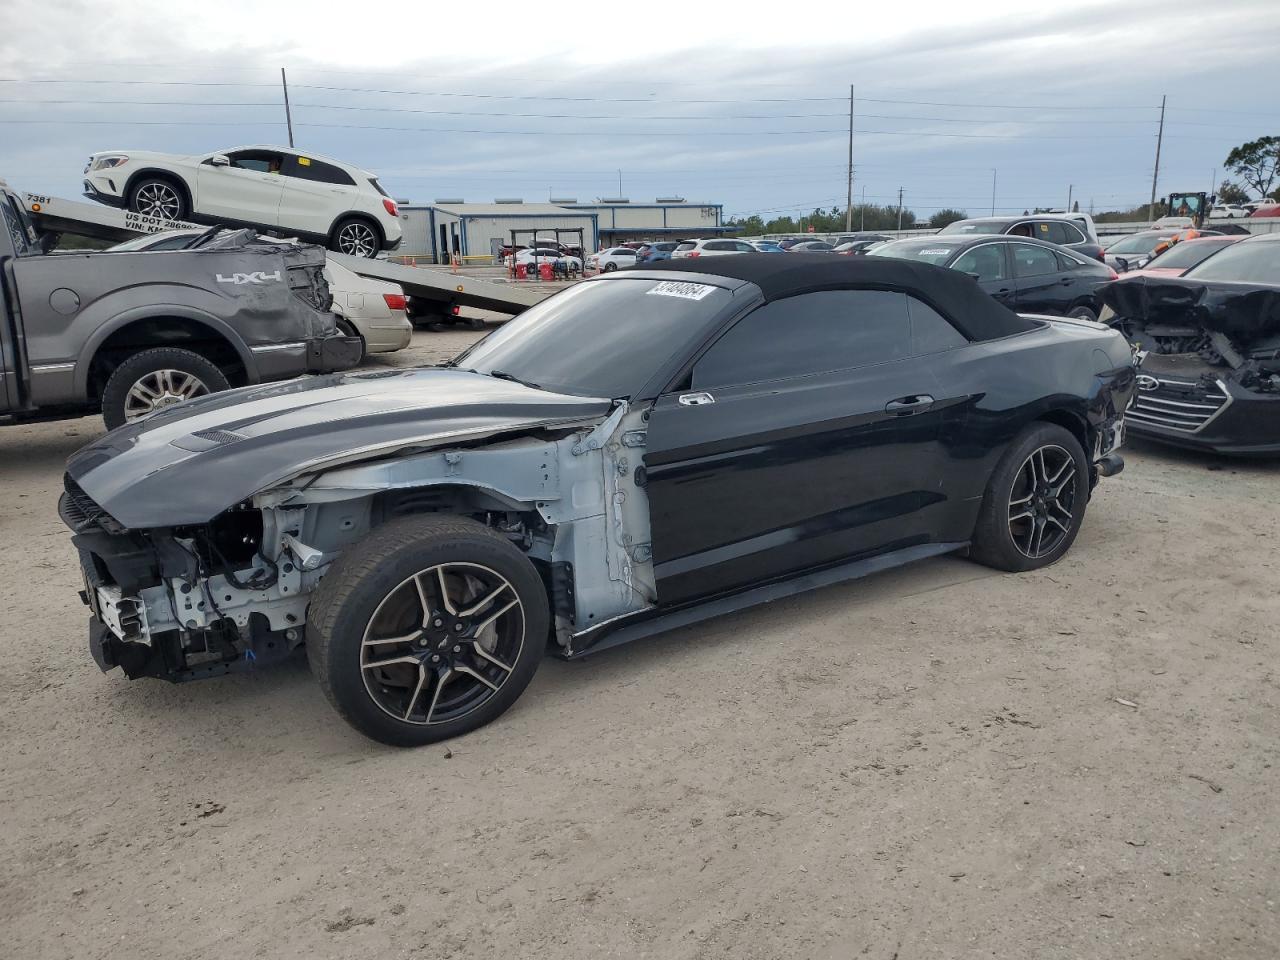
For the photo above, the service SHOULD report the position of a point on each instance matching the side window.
(305, 168)
(931, 332)
(1074, 233)
(260, 161)
(1029, 261)
(807, 334)
(743, 247)
(1068, 263)
(985, 262)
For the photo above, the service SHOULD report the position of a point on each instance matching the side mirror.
(976, 276)
(219, 160)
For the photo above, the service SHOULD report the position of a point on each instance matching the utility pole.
(1213, 181)
(619, 184)
(993, 191)
(899, 211)
(1070, 189)
(864, 208)
(848, 204)
(288, 117)
(1155, 174)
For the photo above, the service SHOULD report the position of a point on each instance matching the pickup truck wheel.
(427, 629)
(155, 379)
(157, 197)
(356, 237)
(1035, 501)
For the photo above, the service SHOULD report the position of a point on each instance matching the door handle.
(906, 406)
(695, 399)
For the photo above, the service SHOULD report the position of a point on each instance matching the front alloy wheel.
(156, 198)
(429, 627)
(442, 643)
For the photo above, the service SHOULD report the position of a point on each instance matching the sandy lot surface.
(933, 763)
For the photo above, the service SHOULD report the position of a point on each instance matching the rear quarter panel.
(1069, 370)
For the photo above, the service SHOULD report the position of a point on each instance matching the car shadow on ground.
(251, 708)
(1155, 453)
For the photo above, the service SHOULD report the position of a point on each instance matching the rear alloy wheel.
(156, 197)
(429, 628)
(1035, 501)
(610, 267)
(155, 379)
(356, 238)
(1083, 313)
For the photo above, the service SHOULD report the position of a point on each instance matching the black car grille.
(1186, 406)
(76, 507)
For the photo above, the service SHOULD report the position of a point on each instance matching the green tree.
(1229, 192)
(1257, 163)
(944, 217)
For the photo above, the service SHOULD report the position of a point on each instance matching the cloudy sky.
(735, 103)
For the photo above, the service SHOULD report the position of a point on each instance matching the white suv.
(274, 189)
(711, 248)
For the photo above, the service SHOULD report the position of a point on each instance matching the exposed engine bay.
(1231, 326)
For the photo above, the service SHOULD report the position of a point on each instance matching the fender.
(159, 311)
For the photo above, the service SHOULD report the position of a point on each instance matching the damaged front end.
(1210, 376)
(186, 603)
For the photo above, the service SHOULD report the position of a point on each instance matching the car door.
(245, 190)
(805, 435)
(1041, 284)
(988, 263)
(314, 195)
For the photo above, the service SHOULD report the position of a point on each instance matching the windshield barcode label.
(685, 291)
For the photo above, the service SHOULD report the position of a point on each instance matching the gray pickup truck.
(131, 333)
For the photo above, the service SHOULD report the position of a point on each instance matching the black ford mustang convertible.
(641, 451)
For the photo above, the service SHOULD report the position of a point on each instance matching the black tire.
(357, 237)
(474, 323)
(377, 581)
(347, 328)
(120, 407)
(1083, 313)
(158, 197)
(1013, 507)
(610, 267)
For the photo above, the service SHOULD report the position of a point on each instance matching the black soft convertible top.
(956, 295)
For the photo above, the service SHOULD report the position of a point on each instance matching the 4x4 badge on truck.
(257, 277)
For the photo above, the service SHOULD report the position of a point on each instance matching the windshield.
(1138, 243)
(928, 251)
(156, 241)
(1184, 256)
(598, 339)
(975, 226)
(1244, 262)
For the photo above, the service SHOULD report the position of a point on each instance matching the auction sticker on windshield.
(685, 291)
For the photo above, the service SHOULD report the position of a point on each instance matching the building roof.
(950, 292)
(507, 209)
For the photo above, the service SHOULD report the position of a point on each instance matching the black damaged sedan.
(642, 451)
(1210, 379)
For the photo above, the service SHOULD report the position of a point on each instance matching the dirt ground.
(938, 762)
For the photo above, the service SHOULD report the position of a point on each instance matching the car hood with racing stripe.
(187, 464)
